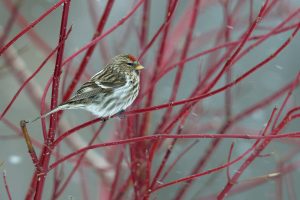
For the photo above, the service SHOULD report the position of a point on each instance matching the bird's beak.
(139, 67)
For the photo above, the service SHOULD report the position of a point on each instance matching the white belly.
(121, 101)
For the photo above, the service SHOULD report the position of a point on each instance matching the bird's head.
(127, 62)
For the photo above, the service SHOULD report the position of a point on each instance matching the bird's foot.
(104, 119)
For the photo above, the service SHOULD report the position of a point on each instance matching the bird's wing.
(103, 82)
(113, 85)
(87, 87)
(107, 78)
(87, 96)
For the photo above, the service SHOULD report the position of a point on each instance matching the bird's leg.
(104, 119)
(121, 114)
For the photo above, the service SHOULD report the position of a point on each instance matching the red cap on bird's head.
(137, 65)
(132, 58)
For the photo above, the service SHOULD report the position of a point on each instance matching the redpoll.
(109, 91)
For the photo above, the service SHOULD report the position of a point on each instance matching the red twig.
(84, 183)
(46, 152)
(169, 13)
(162, 164)
(275, 130)
(241, 45)
(183, 136)
(228, 160)
(168, 170)
(247, 185)
(113, 189)
(130, 149)
(227, 28)
(188, 178)
(32, 76)
(276, 30)
(6, 186)
(77, 165)
(123, 189)
(197, 98)
(31, 25)
(215, 143)
(187, 43)
(97, 39)
(9, 24)
(237, 118)
(145, 23)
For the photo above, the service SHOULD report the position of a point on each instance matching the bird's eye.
(130, 64)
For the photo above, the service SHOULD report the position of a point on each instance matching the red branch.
(256, 152)
(143, 151)
(183, 136)
(32, 76)
(99, 38)
(46, 152)
(31, 25)
(6, 185)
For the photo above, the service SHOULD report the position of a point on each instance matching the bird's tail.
(58, 108)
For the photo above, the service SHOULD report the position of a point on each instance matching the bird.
(108, 92)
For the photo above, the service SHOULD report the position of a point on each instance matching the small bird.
(108, 92)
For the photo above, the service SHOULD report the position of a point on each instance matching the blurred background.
(207, 116)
